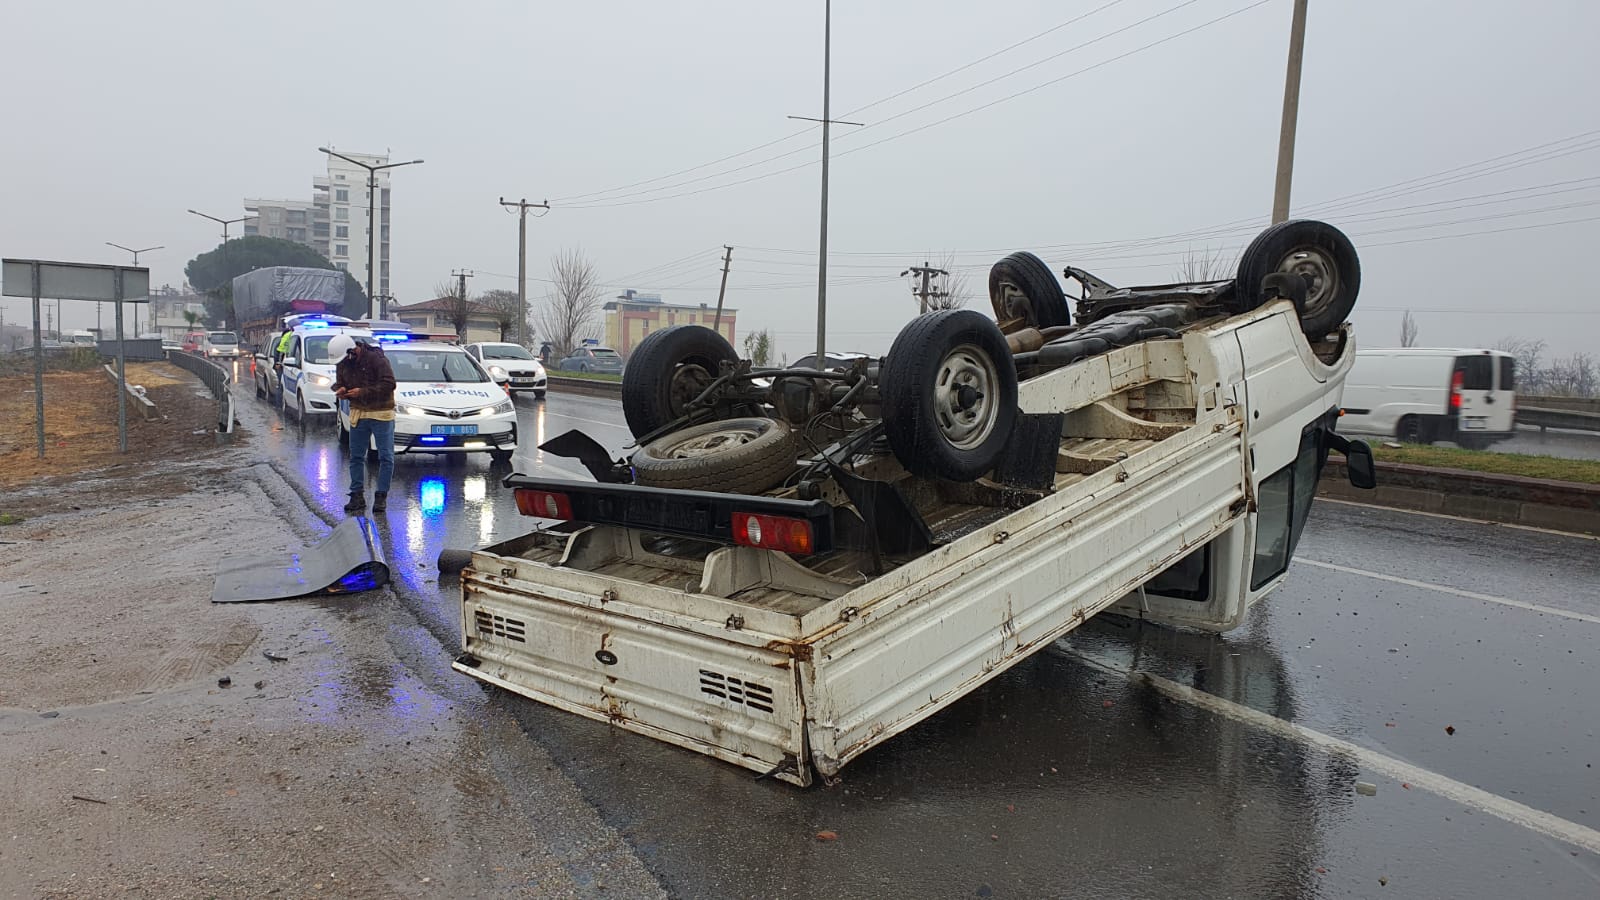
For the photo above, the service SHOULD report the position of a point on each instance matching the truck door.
(1473, 396)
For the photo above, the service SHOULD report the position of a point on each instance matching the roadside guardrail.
(218, 380)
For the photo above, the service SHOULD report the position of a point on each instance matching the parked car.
(445, 402)
(592, 359)
(513, 366)
(1421, 395)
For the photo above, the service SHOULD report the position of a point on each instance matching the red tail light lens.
(773, 533)
(544, 504)
(1456, 382)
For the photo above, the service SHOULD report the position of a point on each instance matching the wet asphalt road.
(1065, 778)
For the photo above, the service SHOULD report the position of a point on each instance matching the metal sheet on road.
(349, 559)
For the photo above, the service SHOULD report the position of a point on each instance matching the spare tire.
(668, 369)
(949, 388)
(1318, 252)
(1021, 286)
(733, 456)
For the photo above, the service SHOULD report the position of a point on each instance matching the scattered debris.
(1366, 789)
(1383, 881)
(1449, 729)
(1406, 785)
(1011, 807)
(1394, 649)
(275, 657)
(261, 684)
(318, 828)
(1107, 704)
(1321, 870)
(1389, 725)
(224, 682)
(827, 835)
(88, 799)
(49, 714)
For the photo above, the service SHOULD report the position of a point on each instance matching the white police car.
(445, 402)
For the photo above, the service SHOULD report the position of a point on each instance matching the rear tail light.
(544, 504)
(1456, 382)
(773, 533)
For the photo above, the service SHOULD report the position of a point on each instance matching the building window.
(342, 195)
(341, 249)
(274, 215)
(342, 213)
(341, 266)
(342, 231)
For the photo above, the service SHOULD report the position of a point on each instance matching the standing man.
(364, 379)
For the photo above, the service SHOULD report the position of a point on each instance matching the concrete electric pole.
(727, 257)
(1291, 114)
(927, 273)
(522, 207)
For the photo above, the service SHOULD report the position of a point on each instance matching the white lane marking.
(1470, 595)
(1434, 515)
(1448, 788)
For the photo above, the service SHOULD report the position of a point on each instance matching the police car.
(303, 380)
(445, 401)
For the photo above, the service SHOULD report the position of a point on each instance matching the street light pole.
(135, 253)
(224, 223)
(372, 224)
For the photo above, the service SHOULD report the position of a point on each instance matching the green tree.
(212, 273)
(192, 317)
(758, 347)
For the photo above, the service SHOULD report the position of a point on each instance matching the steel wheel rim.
(720, 441)
(1320, 272)
(965, 425)
(688, 382)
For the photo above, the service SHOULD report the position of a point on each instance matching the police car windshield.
(317, 350)
(417, 364)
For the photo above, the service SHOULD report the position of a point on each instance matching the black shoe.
(357, 504)
(380, 501)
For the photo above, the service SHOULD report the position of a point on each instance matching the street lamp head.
(323, 150)
(414, 162)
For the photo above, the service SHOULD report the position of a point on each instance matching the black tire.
(1310, 248)
(300, 407)
(733, 456)
(1022, 286)
(538, 395)
(1411, 431)
(501, 456)
(933, 429)
(668, 369)
(451, 562)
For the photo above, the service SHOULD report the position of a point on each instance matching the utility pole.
(822, 254)
(927, 273)
(462, 274)
(522, 262)
(1291, 114)
(727, 257)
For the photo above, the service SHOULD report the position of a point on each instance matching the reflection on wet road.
(1062, 777)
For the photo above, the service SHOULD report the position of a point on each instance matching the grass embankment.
(1584, 471)
(587, 376)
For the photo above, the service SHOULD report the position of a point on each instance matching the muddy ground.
(151, 748)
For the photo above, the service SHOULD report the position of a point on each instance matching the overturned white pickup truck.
(797, 565)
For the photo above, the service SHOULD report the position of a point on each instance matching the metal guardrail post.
(216, 378)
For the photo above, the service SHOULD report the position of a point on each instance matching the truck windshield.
(505, 351)
(223, 337)
(411, 364)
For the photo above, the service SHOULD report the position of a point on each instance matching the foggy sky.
(120, 116)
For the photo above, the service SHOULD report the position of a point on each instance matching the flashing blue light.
(362, 579)
(315, 323)
(430, 439)
(432, 496)
(386, 336)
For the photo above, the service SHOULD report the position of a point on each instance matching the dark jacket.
(371, 373)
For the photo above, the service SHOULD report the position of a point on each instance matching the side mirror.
(290, 361)
(1358, 462)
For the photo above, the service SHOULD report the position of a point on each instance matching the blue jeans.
(367, 432)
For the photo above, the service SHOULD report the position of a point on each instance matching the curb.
(1512, 499)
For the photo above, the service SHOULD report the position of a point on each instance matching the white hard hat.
(340, 345)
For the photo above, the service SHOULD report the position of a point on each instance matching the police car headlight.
(413, 410)
(498, 371)
(319, 380)
(504, 406)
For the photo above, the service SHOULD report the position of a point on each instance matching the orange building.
(633, 315)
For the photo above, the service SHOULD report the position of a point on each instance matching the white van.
(1422, 395)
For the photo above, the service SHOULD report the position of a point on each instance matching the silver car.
(592, 359)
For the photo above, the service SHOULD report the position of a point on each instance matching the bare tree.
(1571, 376)
(503, 307)
(572, 308)
(1408, 330)
(458, 306)
(952, 291)
(1528, 353)
(1206, 264)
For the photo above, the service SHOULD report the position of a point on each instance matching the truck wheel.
(1021, 286)
(734, 456)
(1411, 431)
(949, 390)
(1316, 251)
(668, 369)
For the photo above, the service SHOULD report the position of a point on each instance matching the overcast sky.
(120, 116)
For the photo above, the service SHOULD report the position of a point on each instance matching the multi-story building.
(334, 221)
(633, 315)
(167, 308)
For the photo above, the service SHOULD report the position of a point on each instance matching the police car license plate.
(455, 429)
